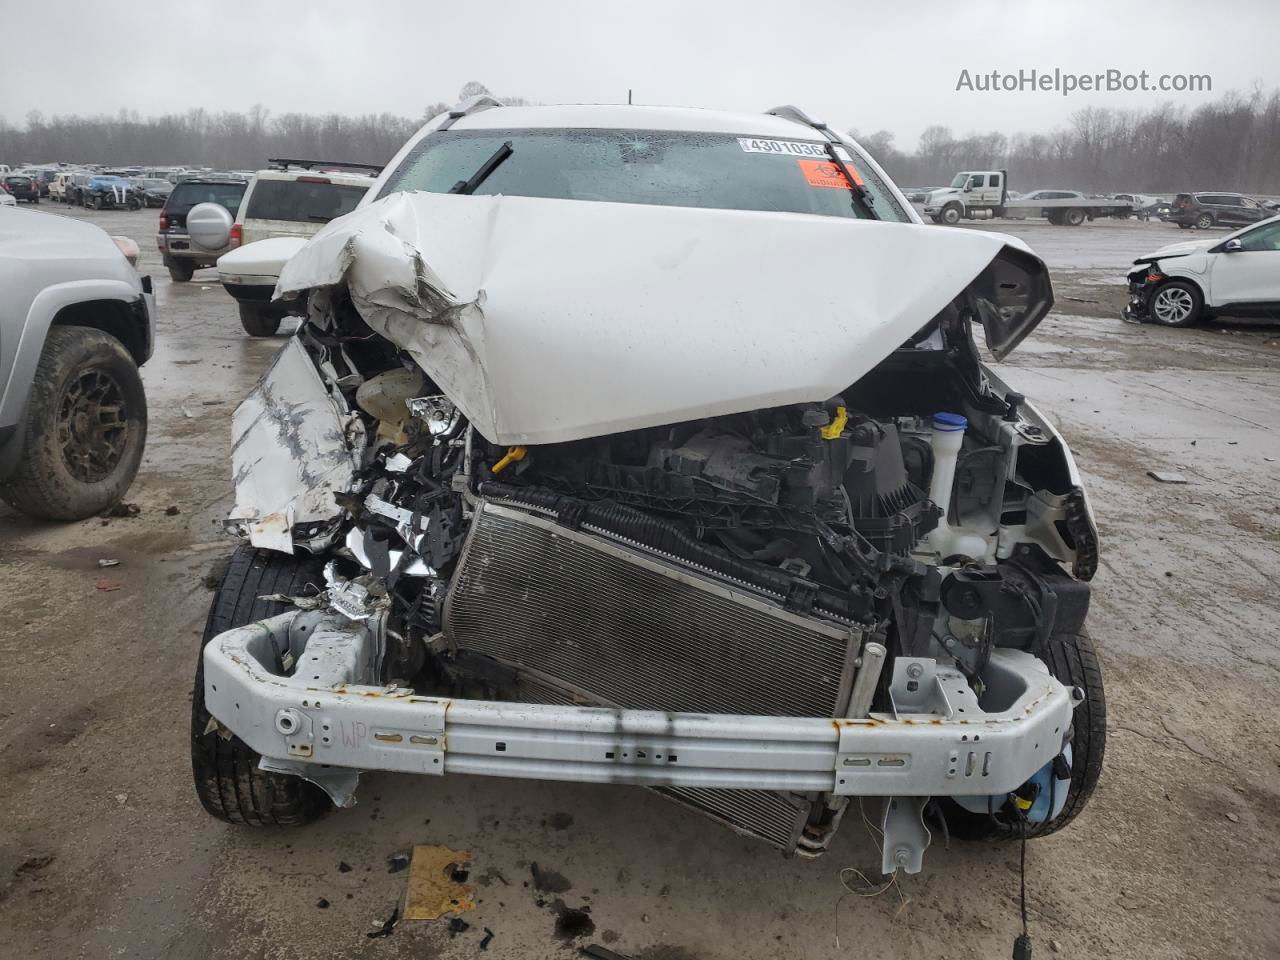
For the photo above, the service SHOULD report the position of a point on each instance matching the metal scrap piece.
(432, 890)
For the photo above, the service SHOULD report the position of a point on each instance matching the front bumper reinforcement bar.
(324, 714)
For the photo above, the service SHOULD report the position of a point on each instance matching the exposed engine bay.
(735, 565)
(906, 548)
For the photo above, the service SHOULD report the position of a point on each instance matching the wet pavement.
(105, 852)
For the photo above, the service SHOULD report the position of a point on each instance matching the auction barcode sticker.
(786, 148)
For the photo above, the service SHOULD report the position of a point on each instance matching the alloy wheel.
(93, 426)
(1173, 305)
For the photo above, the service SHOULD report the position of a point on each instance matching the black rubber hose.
(660, 534)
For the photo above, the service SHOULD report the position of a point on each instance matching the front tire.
(224, 769)
(1074, 217)
(951, 214)
(85, 429)
(1072, 660)
(1176, 304)
(257, 322)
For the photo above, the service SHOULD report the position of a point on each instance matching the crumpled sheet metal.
(290, 451)
(432, 892)
(552, 320)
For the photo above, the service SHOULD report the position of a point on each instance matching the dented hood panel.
(555, 320)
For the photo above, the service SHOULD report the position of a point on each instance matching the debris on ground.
(344, 867)
(386, 926)
(600, 953)
(106, 586)
(1165, 476)
(172, 511)
(432, 890)
(322, 903)
(397, 861)
(108, 563)
(488, 938)
(456, 926)
(123, 510)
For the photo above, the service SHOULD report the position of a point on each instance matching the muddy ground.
(104, 851)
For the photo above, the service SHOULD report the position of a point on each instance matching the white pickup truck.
(976, 194)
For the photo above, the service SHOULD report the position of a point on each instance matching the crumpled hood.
(553, 320)
(1181, 249)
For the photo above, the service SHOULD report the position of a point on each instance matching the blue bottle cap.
(949, 422)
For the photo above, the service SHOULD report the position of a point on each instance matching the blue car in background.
(107, 192)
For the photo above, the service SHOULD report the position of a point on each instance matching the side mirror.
(209, 226)
(968, 186)
(1232, 246)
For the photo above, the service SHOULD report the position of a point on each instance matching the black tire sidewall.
(225, 770)
(1072, 660)
(258, 322)
(43, 485)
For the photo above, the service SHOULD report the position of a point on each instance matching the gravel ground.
(105, 852)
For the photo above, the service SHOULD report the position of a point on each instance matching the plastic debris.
(108, 563)
(1165, 476)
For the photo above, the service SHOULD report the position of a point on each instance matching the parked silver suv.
(178, 253)
(76, 323)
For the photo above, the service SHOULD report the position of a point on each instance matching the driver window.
(976, 181)
(1263, 239)
(1249, 204)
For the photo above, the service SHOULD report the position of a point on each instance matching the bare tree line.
(1230, 144)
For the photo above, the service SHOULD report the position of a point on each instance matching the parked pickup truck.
(979, 194)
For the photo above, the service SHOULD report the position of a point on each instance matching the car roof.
(240, 180)
(343, 178)
(622, 116)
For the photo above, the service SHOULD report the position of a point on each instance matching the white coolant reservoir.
(947, 540)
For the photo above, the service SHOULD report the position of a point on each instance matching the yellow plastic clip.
(513, 454)
(836, 426)
(1021, 804)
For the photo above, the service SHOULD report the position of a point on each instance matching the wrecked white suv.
(653, 446)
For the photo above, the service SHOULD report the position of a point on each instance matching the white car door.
(1252, 273)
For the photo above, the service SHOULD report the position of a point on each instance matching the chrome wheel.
(1173, 305)
(1204, 222)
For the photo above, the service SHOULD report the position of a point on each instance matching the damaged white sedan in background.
(653, 446)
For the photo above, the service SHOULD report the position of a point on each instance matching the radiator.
(587, 619)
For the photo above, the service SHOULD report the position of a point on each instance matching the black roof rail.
(284, 163)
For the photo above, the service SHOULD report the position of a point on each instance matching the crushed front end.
(759, 614)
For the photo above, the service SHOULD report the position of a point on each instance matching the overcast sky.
(867, 65)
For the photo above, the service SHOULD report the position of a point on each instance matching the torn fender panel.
(292, 448)
(552, 320)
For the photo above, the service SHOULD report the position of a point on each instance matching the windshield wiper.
(860, 195)
(486, 168)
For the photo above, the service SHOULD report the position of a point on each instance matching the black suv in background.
(1205, 210)
(176, 249)
(21, 187)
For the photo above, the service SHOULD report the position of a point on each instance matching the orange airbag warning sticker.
(824, 173)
